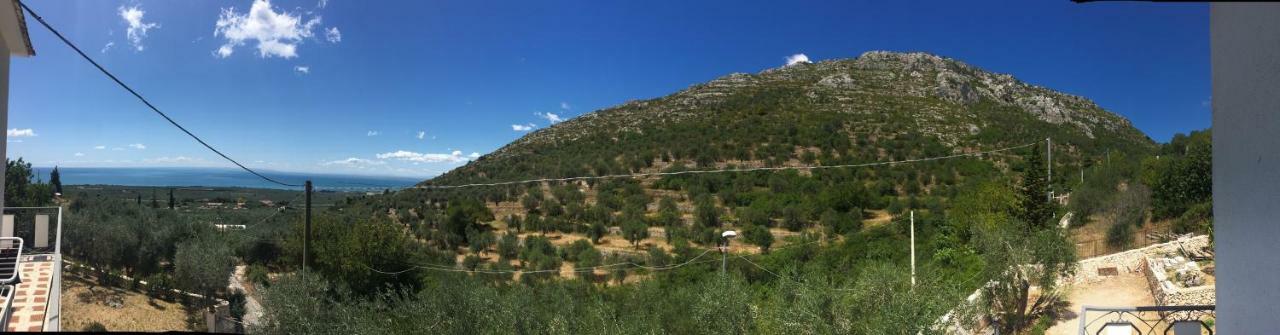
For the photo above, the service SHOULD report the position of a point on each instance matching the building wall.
(1245, 40)
(4, 112)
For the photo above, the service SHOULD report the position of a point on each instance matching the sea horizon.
(219, 177)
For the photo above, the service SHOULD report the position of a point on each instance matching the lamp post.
(724, 249)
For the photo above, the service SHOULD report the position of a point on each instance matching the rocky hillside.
(878, 106)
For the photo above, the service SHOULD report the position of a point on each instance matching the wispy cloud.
(333, 35)
(354, 161)
(422, 134)
(277, 33)
(302, 69)
(99, 147)
(137, 29)
(25, 132)
(565, 105)
(79, 154)
(107, 47)
(797, 59)
(551, 117)
(372, 133)
(404, 155)
(178, 159)
(322, 3)
(138, 146)
(523, 127)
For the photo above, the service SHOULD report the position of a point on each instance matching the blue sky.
(345, 86)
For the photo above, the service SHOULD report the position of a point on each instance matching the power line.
(776, 168)
(786, 278)
(144, 100)
(447, 268)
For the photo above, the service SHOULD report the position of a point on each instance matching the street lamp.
(724, 248)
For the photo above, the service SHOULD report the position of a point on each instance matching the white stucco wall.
(1245, 41)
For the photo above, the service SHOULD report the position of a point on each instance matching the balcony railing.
(39, 227)
(1147, 320)
(32, 237)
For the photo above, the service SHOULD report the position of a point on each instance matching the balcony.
(30, 268)
(1176, 320)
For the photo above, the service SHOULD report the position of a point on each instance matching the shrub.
(257, 274)
(1120, 235)
(95, 327)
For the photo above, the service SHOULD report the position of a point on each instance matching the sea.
(220, 177)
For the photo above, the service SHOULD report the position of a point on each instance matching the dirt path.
(1128, 289)
(253, 310)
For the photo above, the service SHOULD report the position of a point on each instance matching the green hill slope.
(879, 106)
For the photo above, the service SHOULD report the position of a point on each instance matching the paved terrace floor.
(31, 303)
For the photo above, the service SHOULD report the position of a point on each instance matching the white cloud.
(107, 47)
(322, 3)
(551, 117)
(797, 59)
(137, 29)
(523, 127)
(276, 33)
(138, 146)
(422, 134)
(372, 133)
(302, 69)
(25, 132)
(354, 161)
(474, 155)
(410, 156)
(99, 147)
(178, 159)
(333, 35)
(79, 154)
(564, 105)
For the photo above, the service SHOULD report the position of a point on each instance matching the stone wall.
(1167, 293)
(1132, 261)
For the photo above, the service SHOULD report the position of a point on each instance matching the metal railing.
(10, 255)
(38, 231)
(1147, 320)
(40, 227)
(6, 293)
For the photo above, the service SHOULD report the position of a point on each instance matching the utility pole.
(1048, 178)
(913, 248)
(724, 260)
(306, 238)
(724, 251)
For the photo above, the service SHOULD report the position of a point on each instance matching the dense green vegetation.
(461, 261)
(371, 276)
(393, 263)
(1126, 190)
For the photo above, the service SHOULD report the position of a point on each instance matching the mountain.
(878, 106)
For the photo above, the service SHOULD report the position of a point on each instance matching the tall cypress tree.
(1036, 210)
(55, 179)
(154, 203)
(171, 202)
